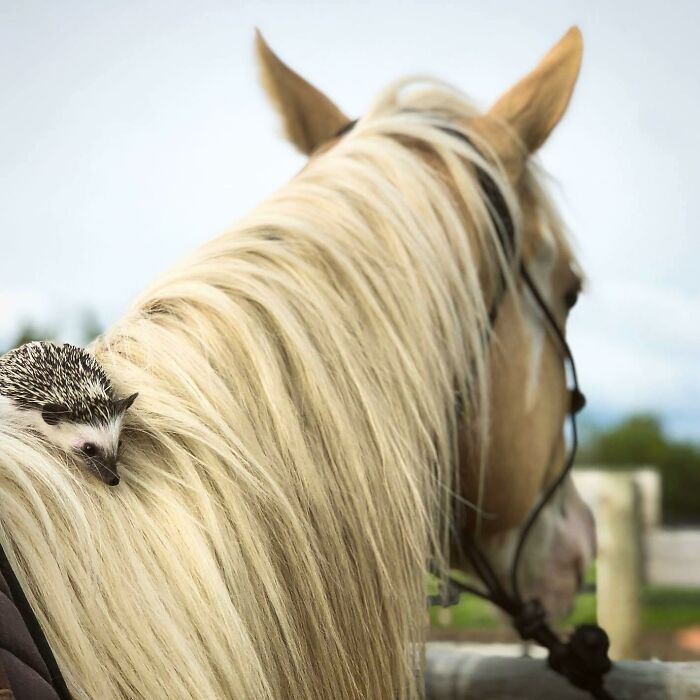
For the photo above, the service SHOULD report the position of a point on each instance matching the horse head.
(520, 449)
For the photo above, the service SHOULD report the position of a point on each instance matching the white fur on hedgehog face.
(76, 437)
(70, 437)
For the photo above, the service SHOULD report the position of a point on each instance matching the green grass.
(663, 609)
(670, 608)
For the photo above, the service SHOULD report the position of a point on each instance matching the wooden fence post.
(619, 564)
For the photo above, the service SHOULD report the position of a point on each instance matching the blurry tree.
(29, 332)
(641, 440)
(90, 328)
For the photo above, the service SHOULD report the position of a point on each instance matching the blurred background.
(132, 132)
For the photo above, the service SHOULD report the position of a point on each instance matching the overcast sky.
(133, 131)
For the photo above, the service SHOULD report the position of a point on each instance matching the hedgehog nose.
(107, 471)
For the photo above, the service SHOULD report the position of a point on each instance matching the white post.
(619, 564)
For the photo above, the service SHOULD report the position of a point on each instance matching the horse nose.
(578, 401)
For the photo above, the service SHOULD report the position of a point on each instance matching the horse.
(333, 394)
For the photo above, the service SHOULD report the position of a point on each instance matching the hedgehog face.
(62, 392)
(94, 445)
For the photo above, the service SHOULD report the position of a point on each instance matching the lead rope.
(583, 658)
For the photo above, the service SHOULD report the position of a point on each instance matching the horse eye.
(570, 298)
(89, 449)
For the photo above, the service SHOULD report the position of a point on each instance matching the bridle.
(504, 226)
(583, 658)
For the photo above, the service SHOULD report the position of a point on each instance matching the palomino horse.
(331, 395)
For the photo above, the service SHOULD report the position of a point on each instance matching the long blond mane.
(288, 466)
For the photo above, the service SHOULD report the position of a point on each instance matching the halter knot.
(584, 659)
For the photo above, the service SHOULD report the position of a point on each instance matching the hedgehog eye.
(89, 449)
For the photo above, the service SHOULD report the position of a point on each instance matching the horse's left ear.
(534, 105)
(308, 116)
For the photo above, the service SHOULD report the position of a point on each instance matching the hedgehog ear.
(53, 412)
(123, 405)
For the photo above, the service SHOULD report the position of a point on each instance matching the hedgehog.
(62, 393)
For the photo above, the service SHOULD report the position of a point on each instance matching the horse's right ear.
(522, 119)
(308, 116)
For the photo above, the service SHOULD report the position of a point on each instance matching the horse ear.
(52, 413)
(308, 116)
(533, 107)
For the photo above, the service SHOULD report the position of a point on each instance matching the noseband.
(583, 658)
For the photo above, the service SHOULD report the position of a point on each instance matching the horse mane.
(287, 471)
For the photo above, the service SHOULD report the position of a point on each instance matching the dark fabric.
(24, 674)
(24, 681)
(15, 637)
(31, 624)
